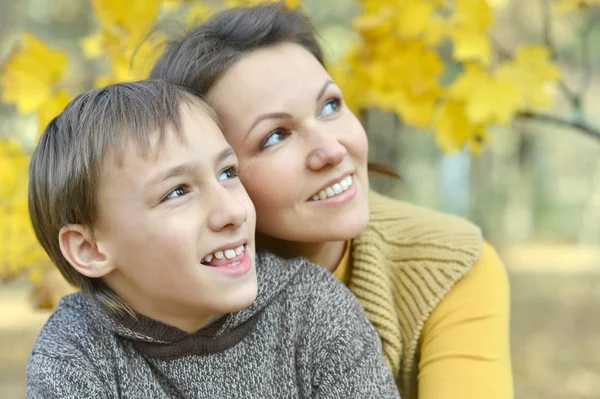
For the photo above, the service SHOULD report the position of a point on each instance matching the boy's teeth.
(230, 253)
(334, 189)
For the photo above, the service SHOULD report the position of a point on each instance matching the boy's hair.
(205, 53)
(66, 166)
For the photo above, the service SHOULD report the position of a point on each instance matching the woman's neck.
(325, 254)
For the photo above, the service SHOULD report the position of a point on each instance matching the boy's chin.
(242, 299)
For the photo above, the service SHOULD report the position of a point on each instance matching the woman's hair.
(204, 54)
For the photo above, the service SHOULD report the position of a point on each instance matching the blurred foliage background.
(486, 109)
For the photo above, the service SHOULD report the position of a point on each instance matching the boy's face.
(166, 220)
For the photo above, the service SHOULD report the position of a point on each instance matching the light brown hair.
(66, 166)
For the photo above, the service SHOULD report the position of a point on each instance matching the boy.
(134, 195)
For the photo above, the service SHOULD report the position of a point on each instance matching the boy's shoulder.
(73, 328)
(304, 283)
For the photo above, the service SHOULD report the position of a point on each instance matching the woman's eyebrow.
(272, 115)
(322, 91)
(285, 115)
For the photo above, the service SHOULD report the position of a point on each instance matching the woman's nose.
(328, 152)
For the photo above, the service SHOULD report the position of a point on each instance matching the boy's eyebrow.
(186, 168)
(178, 170)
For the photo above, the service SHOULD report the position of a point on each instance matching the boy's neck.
(325, 254)
(149, 310)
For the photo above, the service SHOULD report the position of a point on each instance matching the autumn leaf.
(132, 18)
(488, 98)
(471, 45)
(29, 75)
(452, 127)
(413, 18)
(51, 108)
(533, 74)
(468, 27)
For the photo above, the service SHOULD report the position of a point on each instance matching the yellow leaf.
(133, 18)
(478, 141)
(51, 108)
(93, 45)
(474, 15)
(470, 80)
(495, 102)
(414, 17)
(533, 74)
(13, 169)
(471, 45)
(30, 73)
(451, 126)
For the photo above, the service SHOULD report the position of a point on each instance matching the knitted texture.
(305, 336)
(404, 263)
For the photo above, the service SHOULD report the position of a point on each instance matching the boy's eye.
(228, 173)
(272, 138)
(331, 106)
(178, 191)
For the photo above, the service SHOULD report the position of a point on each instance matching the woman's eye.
(331, 106)
(272, 138)
(178, 191)
(229, 173)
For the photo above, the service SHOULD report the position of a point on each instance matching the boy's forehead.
(195, 127)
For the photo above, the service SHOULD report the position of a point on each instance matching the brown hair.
(204, 54)
(66, 165)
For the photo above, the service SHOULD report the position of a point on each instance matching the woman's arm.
(465, 351)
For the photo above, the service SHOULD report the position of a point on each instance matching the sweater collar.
(158, 340)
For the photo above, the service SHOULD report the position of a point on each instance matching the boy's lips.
(226, 253)
(236, 267)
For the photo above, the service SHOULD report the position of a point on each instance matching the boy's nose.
(228, 212)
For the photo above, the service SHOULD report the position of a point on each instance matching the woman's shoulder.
(415, 229)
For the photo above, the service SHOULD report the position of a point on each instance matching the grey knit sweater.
(305, 336)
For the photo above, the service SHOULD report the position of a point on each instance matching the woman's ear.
(81, 250)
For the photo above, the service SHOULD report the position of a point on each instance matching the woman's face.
(302, 153)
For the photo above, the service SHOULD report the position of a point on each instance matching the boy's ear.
(81, 250)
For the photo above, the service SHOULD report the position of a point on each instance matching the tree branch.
(574, 98)
(586, 63)
(582, 126)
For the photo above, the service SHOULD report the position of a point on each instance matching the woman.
(435, 291)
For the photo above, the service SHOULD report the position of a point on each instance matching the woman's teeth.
(334, 189)
(228, 253)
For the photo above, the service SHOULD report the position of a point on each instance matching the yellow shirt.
(464, 345)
